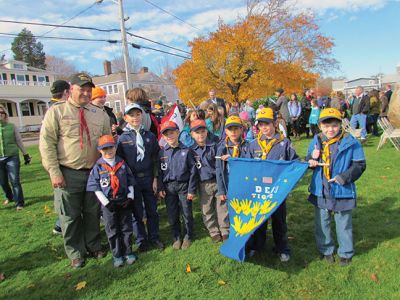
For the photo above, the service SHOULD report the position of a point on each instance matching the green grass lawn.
(36, 267)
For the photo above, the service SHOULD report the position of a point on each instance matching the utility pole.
(124, 45)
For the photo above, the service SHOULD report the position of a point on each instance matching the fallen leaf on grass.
(221, 282)
(67, 275)
(384, 177)
(2, 277)
(374, 277)
(47, 210)
(80, 285)
(188, 269)
(31, 285)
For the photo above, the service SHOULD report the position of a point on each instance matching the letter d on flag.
(256, 189)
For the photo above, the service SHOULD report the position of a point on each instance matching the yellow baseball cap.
(330, 113)
(265, 115)
(233, 121)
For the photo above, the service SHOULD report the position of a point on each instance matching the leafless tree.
(118, 64)
(62, 68)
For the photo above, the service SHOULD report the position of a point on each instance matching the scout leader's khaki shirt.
(60, 140)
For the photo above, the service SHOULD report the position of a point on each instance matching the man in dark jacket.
(213, 100)
(360, 110)
(388, 92)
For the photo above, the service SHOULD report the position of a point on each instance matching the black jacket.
(364, 105)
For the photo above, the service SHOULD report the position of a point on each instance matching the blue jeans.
(361, 120)
(9, 173)
(344, 232)
(144, 195)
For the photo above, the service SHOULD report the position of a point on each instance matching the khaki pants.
(215, 212)
(78, 212)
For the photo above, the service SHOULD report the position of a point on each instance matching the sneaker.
(328, 258)
(284, 257)
(5, 202)
(19, 207)
(118, 262)
(77, 263)
(186, 244)
(345, 261)
(158, 244)
(130, 259)
(216, 238)
(177, 244)
(143, 247)
(57, 230)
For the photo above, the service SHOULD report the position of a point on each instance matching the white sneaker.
(130, 259)
(284, 257)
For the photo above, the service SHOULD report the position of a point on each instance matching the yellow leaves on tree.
(252, 57)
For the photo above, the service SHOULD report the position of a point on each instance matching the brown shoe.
(77, 263)
(186, 244)
(216, 238)
(6, 202)
(177, 244)
(98, 254)
(225, 237)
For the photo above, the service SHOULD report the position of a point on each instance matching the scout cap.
(81, 79)
(233, 121)
(330, 113)
(59, 86)
(131, 106)
(168, 125)
(265, 115)
(197, 124)
(98, 92)
(105, 141)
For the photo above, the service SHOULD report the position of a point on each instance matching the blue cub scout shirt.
(205, 159)
(281, 151)
(177, 164)
(127, 150)
(100, 180)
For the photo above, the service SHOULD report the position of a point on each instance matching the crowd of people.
(112, 168)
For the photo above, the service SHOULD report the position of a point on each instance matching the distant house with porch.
(115, 86)
(25, 93)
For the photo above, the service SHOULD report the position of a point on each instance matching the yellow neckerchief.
(235, 147)
(326, 155)
(56, 100)
(267, 146)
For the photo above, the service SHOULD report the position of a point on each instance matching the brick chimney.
(107, 67)
(143, 70)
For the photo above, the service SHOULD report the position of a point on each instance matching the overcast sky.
(364, 31)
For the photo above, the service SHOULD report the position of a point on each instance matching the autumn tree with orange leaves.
(271, 47)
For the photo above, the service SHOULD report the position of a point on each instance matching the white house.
(25, 93)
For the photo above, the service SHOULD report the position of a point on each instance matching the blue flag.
(256, 189)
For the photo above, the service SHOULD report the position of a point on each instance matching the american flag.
(267, 180)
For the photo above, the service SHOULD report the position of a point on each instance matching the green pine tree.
(27, 49)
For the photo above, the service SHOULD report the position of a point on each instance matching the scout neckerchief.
(114, 178)
(139, 143)
(326, 155)
(266, 145)
(235, 147)
(83, 127)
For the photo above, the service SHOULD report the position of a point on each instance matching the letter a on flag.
(256, 189)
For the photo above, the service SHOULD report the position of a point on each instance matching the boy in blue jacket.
(233, 146)
(112, 182)
(214, 211)
(271, 144)
(177, 181)
(139, 148)
(332, 187)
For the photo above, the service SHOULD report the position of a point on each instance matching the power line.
(73, 17)
(93, 28)
(171, 14)
(137, 46)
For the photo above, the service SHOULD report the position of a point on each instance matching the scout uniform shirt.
(60, 143)
(281, 150)
(100, 180)
(205, 159)
(128, 150)
(177, 164)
